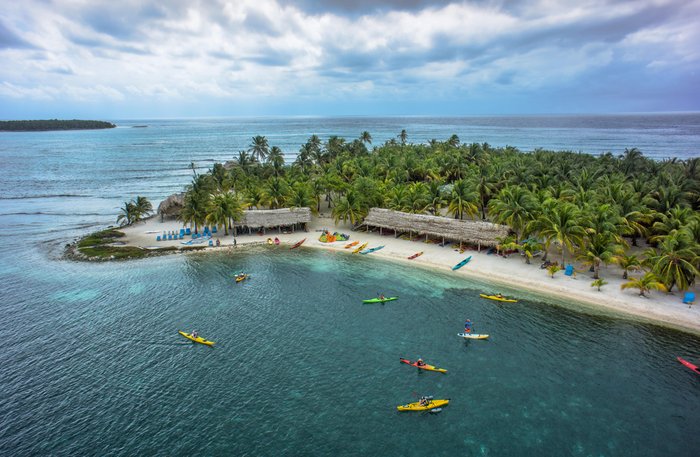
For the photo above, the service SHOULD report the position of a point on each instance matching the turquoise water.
(301, 367)
(93, 364)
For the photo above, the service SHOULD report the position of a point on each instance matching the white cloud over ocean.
(180, 58)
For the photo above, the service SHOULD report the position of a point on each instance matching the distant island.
(53, 124)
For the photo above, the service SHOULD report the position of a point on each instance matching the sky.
(188, 58)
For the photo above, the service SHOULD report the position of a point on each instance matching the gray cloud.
(8, 39)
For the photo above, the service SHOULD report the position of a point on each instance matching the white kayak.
(473, 336)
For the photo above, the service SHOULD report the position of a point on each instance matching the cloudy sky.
(189, 58)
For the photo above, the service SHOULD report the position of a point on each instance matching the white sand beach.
(499, 274)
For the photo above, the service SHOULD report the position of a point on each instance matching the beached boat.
(473, 336)
(371, 250)
(269, 241)
(349, 245)
(362, 246)
(298, 243)
(423, 367)
(462, 263)
(418, 407)
(198, 339)
(277, 241)
(417, 254)
(380, 300)
(689, 365)
(499, 297)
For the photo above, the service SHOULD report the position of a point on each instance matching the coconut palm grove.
(628, 210)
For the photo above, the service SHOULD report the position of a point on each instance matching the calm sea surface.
(93, 365)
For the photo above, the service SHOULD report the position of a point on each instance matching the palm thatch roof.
(171, 206)
(275, 217)
(474, 232)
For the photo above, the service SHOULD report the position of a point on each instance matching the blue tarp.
(569, 270)
(689, 297)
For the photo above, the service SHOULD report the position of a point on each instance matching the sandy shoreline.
(511, 273)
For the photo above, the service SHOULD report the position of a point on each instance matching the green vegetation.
(53, 124)
(134, 211)
(592, 208)
(102, 246)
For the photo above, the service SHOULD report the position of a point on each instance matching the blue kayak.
(462, 263)
(371, 250)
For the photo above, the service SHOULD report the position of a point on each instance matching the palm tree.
(302, 196)
(599, 283)
(553, 269)
(223, 209)
(349, 206)
(143, 207)
(529, 247)
(416, 198)
(627, 263)
(599, 249)
(514, 206)
(645, 284)
(365, 137)
(276, 158)
(403, 136)
(259, 148)
(275, 192)
(559, 222)
(676, 261)
(453, 141)
(127, 214)
(462, 200)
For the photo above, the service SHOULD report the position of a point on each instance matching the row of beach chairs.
(175, 235)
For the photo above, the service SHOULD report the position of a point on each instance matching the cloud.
(375, 51)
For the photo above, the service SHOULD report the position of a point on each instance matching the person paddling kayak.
(420, 362)
(424, 401)
(194, 333)
(468, 326)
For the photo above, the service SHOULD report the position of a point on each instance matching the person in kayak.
(194, 334)
(420, 362)
(423, 401)
(468, 326)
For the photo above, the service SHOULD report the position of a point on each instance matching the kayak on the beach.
(362, 246)
(298, 243)
(197, 339)
(689, 365)
(473, 336)
(349, 245)
(242, 277)
(422, 367)
(380, 300)
(418, 407)
(269, 241)
(462, 263)
(499, 297)
(371, 250)
(417, 254)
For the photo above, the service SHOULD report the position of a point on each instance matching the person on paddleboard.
(468, 326)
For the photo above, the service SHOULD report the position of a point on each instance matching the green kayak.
(380, 300)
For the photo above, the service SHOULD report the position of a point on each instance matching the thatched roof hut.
(479, 233)
(255, 219)
(171, 206)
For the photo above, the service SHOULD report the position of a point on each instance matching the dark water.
(93, 364)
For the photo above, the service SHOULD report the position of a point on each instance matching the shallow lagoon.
(302, 367)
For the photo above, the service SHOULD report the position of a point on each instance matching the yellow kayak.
(241, 278)
(199, 339)
(498, 298)
(432, 404)
(349, 245)
(473, 336)
(360, 248)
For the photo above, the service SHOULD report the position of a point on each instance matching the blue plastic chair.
(689, 298)
(213, 229)
(211, 243)
(188, 231)
(158, 238)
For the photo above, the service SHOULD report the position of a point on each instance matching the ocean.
(93, 364)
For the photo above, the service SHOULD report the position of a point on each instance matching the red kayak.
(689, 365)
(423, 367)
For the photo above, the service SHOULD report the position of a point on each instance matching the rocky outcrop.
(171, 206)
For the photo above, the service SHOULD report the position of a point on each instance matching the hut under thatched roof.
(171, 206)
(285, 217)
(478, 233)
